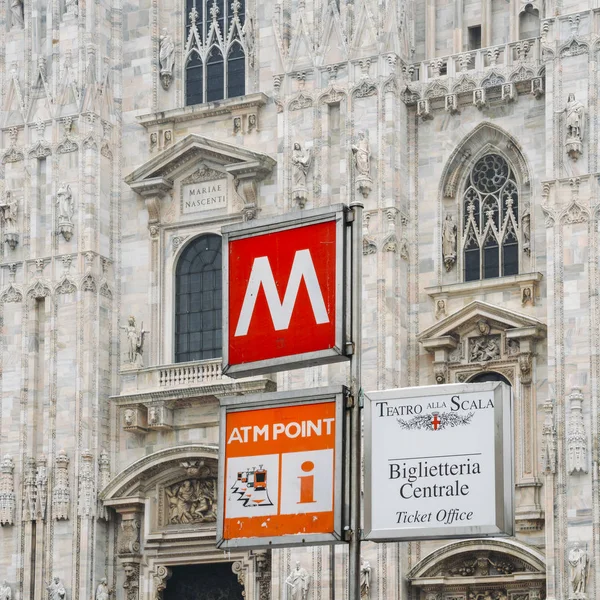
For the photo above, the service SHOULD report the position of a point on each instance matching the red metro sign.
(284, 292)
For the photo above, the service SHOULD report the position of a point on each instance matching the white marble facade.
(389, 101)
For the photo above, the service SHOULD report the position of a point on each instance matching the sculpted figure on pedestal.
(578, 566)
(166, 58)
(575, 125)
(135, 341)
(56, 590)
(365, 578)
(449, 242)
(301, 160)
(298, 582)
(102, 591)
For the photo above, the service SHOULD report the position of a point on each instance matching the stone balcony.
(504, 57)
(150, 395)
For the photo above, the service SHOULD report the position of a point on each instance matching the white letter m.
(281, 312)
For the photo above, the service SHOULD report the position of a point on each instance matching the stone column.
(459, 10)
(486, 23)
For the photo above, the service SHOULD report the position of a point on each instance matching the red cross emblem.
(435, 421)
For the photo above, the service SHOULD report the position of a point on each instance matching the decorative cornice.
(203, 111)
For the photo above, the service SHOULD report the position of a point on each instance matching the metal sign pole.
(356, 390)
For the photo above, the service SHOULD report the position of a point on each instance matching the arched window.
(198, 300)
(214, 30)
(490, 240)
(489, 376)
(529, 22)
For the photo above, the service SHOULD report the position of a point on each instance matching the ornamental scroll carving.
(191, 501)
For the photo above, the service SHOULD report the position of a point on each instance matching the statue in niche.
(578, 567)
(66, 209)
(102, 591)
(449, 242)
(16, 8)
(5, 591)
(166, 58)
(298, 582)
(135, 342)
(56, 590)
(301, 160)
(575, 125)
(10, 211)
(191, 501)
(362, 163)
(362, 155)
(365, 578)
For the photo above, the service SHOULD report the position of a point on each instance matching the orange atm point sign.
(279, 476)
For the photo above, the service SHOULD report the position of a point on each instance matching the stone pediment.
(466, 319)
(483, 561)
(192, 149)
(156, 176)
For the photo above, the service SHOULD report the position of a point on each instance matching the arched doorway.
(214, 581)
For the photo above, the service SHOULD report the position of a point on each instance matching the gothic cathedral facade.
(131, 132)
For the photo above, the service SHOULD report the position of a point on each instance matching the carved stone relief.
(131, 584)
(449, 242)
(61, 493)
(576, 436)
(87, 494)
(10, 214)
(549, 439)
(7, 491)
(484, 348)
(166, 58)
(41, 485)
(191, 501)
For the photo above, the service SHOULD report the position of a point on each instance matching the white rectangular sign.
(204, 196)
(439, 462)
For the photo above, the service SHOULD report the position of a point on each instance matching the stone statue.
(301, 160)
(135, 341)
(449, 242)
(365, 578)
(5, 591)
(56, 590)
(575, 124)
(191, 501)
(10, 212)
(102, 591)
(166, 58)
(64, 201)
(362, 155)
(16, 8)
(578, 566)
(575, 118)
(298, 582)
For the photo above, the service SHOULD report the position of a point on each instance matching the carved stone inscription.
(204, 196)
(191, 501)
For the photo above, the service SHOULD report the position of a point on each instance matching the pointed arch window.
(490, 225)
(215, 51)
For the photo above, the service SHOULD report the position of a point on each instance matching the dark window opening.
(198, 300)
(474, 37)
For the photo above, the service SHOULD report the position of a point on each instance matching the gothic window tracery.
(215, 50)
(198, 300)
(491, 223)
